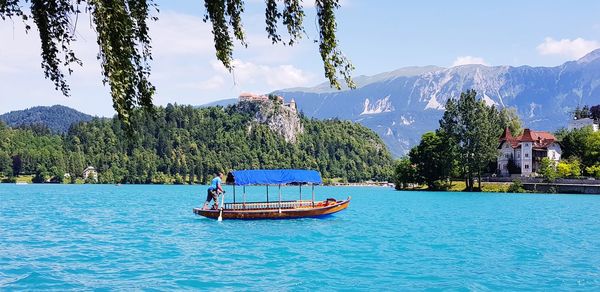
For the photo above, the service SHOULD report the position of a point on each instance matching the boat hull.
(275, 213)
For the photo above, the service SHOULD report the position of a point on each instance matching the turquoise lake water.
(68, 237)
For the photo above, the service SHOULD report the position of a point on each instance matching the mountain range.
(402, 105)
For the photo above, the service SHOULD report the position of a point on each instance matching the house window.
(526, 155)
(526, 166)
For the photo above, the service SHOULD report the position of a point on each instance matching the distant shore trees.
(464, 146)
(586, 111)
(430, 159)
(405, 174)
(581, 152)
(466, 143)
(186, 145)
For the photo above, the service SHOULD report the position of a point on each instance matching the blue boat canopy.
(273, 177)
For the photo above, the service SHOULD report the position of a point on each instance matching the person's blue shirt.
(214, 183)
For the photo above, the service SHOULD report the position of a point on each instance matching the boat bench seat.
(268, 205)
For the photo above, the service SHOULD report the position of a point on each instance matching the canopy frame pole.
(300, 194)
(244, 198)
(234, 194)
(313, 195)
(267, 193)
(280, 198)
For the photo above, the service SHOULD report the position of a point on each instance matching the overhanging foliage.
(125, 45)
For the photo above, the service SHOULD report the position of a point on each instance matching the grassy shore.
(493, 187)
(19, 179)
(459, 186)
(29, 179)
(24, 178)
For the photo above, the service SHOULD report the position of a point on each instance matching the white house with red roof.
(526, 151)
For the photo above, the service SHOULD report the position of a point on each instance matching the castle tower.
(293, 104)
(526, 152)
(506, 151)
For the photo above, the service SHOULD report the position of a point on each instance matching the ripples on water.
(65, 237)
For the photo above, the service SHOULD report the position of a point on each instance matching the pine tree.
(471, 128)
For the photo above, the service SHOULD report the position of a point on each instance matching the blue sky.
(377, 36)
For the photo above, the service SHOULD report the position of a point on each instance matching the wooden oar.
(221, 209)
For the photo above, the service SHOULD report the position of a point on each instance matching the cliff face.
(281, 119)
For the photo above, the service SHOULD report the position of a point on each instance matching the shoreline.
(581, 188)
(457, 186)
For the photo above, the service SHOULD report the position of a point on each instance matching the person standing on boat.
(214, 190)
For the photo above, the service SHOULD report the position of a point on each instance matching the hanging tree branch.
(272, 16)
(10, 8)
(52, 19)
(125, 45)
(293, 15)
(217, 12)
(122, 34)
(334, 61)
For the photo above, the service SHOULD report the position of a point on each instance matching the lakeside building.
(526, 151)
(581, 123)
(90, 172)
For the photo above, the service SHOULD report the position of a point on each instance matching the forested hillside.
(183, 144)
(27, 151)
(57, 118)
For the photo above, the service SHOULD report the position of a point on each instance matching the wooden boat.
(271, 210)
(274, 209)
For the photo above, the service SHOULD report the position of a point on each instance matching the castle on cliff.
(251, 97)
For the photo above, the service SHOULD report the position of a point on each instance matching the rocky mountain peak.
(402, 108)
(590, 57)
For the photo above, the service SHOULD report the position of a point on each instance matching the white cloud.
(252, 75)
(468, 60)
(176, 34)
(19, 52)
(22, 79)
(575, 48)
(212, 83)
